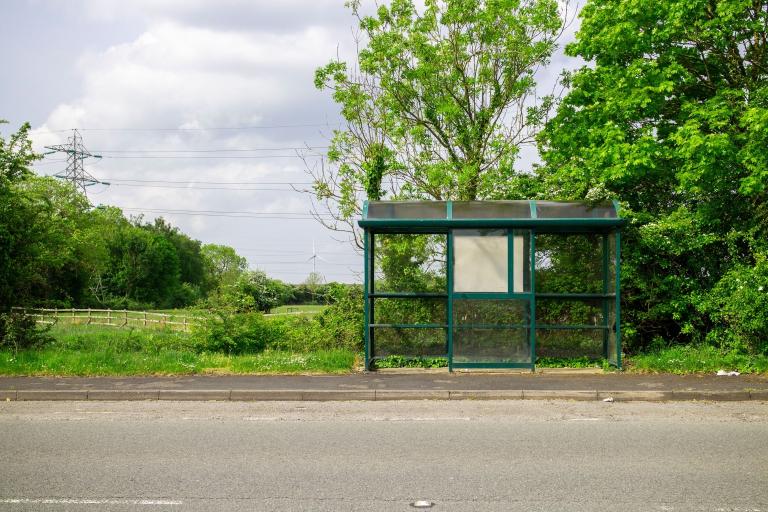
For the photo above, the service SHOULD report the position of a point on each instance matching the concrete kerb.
(243, 395)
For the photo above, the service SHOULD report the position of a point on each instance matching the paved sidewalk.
(391, 386)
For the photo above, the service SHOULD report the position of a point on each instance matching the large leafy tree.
(438, 103)
(16, 156)
(223, 266)
(671, 117)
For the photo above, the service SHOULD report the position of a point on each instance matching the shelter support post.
(618, 299)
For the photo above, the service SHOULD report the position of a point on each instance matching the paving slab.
(392, 386)
(51, 394)
(613, 381)
(194, 394)
(122, 394)
(559, 394)
(264, 395)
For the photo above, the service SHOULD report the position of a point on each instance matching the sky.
(200, 109)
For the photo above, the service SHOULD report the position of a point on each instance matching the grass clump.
(696, 359)
(239, 344)
(170, 362)
(411, 362)
(572, 362)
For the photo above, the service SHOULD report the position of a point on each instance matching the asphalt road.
(520, 455)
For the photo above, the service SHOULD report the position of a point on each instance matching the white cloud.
(202, 66)
(180, 76)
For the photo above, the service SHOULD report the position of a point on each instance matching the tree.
(438, 104)
(223, 265)
(16, 156)
(671, 118)
(143, 269)
(253, 291)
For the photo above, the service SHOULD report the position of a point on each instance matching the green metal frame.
(534, 226)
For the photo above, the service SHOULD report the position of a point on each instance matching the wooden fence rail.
(111, 317)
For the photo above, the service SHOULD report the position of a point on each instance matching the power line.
(260, 251)
(239, 189)
(213, 128)
(207, 157)
(120, 180)
(231, 214)
(303, 263)
(249, 212)
(218, 150)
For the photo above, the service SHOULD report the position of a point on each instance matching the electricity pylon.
(76, 155)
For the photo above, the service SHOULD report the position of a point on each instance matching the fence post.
(73, 316)
(145, 318)
(109, 317)
(185, 324)
(89, 317)
(125, 312)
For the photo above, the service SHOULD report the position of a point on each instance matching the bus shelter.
(492, 284)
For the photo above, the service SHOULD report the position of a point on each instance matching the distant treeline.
(58, 250)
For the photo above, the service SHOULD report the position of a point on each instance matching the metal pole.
(449, 307)
(532, 313)
(606, 332)
(618, 299)
(367, 286)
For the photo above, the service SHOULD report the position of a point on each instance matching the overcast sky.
(154, 85)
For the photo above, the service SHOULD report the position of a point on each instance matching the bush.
(238, 333)
(19, 331)
(340, 325)
(738, 307)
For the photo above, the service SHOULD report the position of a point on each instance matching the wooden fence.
(111, 317)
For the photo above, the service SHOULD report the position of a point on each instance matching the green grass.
(93, 350)
(696, 359)
(299, 308)
(411, 362)
(170, 362)
(571, 362)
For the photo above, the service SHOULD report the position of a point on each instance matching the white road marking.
(77, 501)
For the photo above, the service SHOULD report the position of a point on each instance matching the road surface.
(335, 456)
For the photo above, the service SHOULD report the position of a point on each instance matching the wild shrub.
(738, 307)
(340, 325)
(238, 333)
(19, 331)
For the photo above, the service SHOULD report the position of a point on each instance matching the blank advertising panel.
(480, 261)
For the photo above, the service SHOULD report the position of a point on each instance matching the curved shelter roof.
(542, 215)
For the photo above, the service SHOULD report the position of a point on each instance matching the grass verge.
(52, 362)
(93, 350)
(696, 359)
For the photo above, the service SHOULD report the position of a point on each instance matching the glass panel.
(482, 312)
(491, 331)
(569, 312)
(500, 345)
(409, 263)
(521, 261)
(611, 348)
(409, 311)
(611, 281)
(480, 260)
(407, 210)
(491, 210)
(569, 263)
(413, 342)
(558, 210)
(569, 343)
